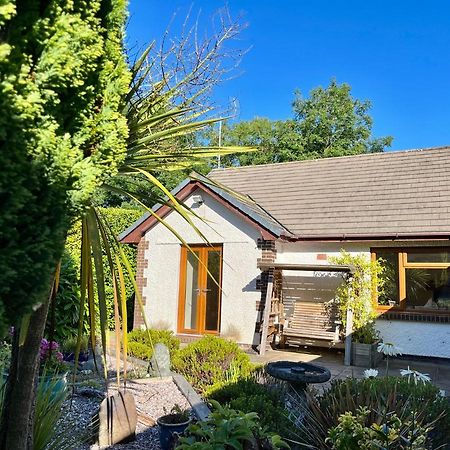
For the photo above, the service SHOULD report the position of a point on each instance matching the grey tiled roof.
(404, 192)
(248, 207)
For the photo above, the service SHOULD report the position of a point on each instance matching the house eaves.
(242, 205)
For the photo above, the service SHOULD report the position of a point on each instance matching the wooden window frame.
(202, 249)
(403, 264)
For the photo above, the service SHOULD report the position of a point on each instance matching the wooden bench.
(313, 324)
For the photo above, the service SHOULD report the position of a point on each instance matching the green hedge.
(212, 361)
(140, 344)
(68, 298)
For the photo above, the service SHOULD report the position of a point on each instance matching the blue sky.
(394, 53)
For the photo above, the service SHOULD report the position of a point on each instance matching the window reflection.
(390, 294)
(420, 279)
(428, 288)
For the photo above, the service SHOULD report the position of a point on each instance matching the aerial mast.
(220, 143)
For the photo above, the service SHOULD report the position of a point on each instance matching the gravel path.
(154, 398)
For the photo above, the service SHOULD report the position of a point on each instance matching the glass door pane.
(212, 291)
(191, 297)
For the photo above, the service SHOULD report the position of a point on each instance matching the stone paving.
(437, 369)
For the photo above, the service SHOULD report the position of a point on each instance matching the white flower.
(370, 373)
(415, 375)
(389, 349)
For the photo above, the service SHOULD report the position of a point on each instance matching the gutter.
(367, 237)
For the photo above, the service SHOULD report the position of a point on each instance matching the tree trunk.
(17, 421)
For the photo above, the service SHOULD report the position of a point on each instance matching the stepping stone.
(160, 362)
(117, 419)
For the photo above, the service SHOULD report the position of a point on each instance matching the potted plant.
(69, 347)
(171, 425)
(365, 346)
(358, 294)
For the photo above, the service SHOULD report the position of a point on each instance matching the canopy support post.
(266, 314)
(348, 332)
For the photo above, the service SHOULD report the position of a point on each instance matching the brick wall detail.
(141, 280)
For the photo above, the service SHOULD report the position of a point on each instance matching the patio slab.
(438, 370)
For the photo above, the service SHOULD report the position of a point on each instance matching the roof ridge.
(361, 155)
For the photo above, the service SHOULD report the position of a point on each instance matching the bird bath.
(298, 374)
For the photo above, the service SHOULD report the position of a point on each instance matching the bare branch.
(185, 69)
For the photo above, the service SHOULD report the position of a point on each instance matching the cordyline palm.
(158, 119)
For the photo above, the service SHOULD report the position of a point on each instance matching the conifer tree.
(63, 77)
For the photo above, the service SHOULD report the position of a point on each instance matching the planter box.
(365, 355)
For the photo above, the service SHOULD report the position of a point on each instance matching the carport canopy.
(269, 266)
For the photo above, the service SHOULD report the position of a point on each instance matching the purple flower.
(45, 347)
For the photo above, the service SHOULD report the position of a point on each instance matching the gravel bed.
(154, 398)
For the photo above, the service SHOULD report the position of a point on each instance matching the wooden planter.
(365, 355)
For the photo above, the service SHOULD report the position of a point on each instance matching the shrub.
(141, 351)
(69, 345)
(354, 433)
(140, 344)
(212, 360)
(228, 429)
(381, 396)
(248, 395)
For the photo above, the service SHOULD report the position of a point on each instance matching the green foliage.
(333, 123)
(227, 429)
(358, 293)
(66, 309)
(249, 395)
(48, 434)
(62, 79)
(5, 355)
(68, 297)
(69, 345)
(330, 122)
(353, 433)
(212, 360)
(382, 397)
(140, 344)
(50, 396)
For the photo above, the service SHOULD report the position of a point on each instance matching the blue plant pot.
(56, 383)
(169, 431)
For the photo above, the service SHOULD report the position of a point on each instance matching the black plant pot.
(70, 357)
(170, 426)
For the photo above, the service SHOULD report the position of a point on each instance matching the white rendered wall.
(414, 338)
(240, 253)
(417, 338)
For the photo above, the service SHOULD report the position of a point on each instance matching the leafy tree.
(333, 123)
(62, 80)
(330, 122)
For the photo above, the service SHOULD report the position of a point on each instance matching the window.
(416, 279)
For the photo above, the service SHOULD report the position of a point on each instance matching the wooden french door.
(200, 293)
